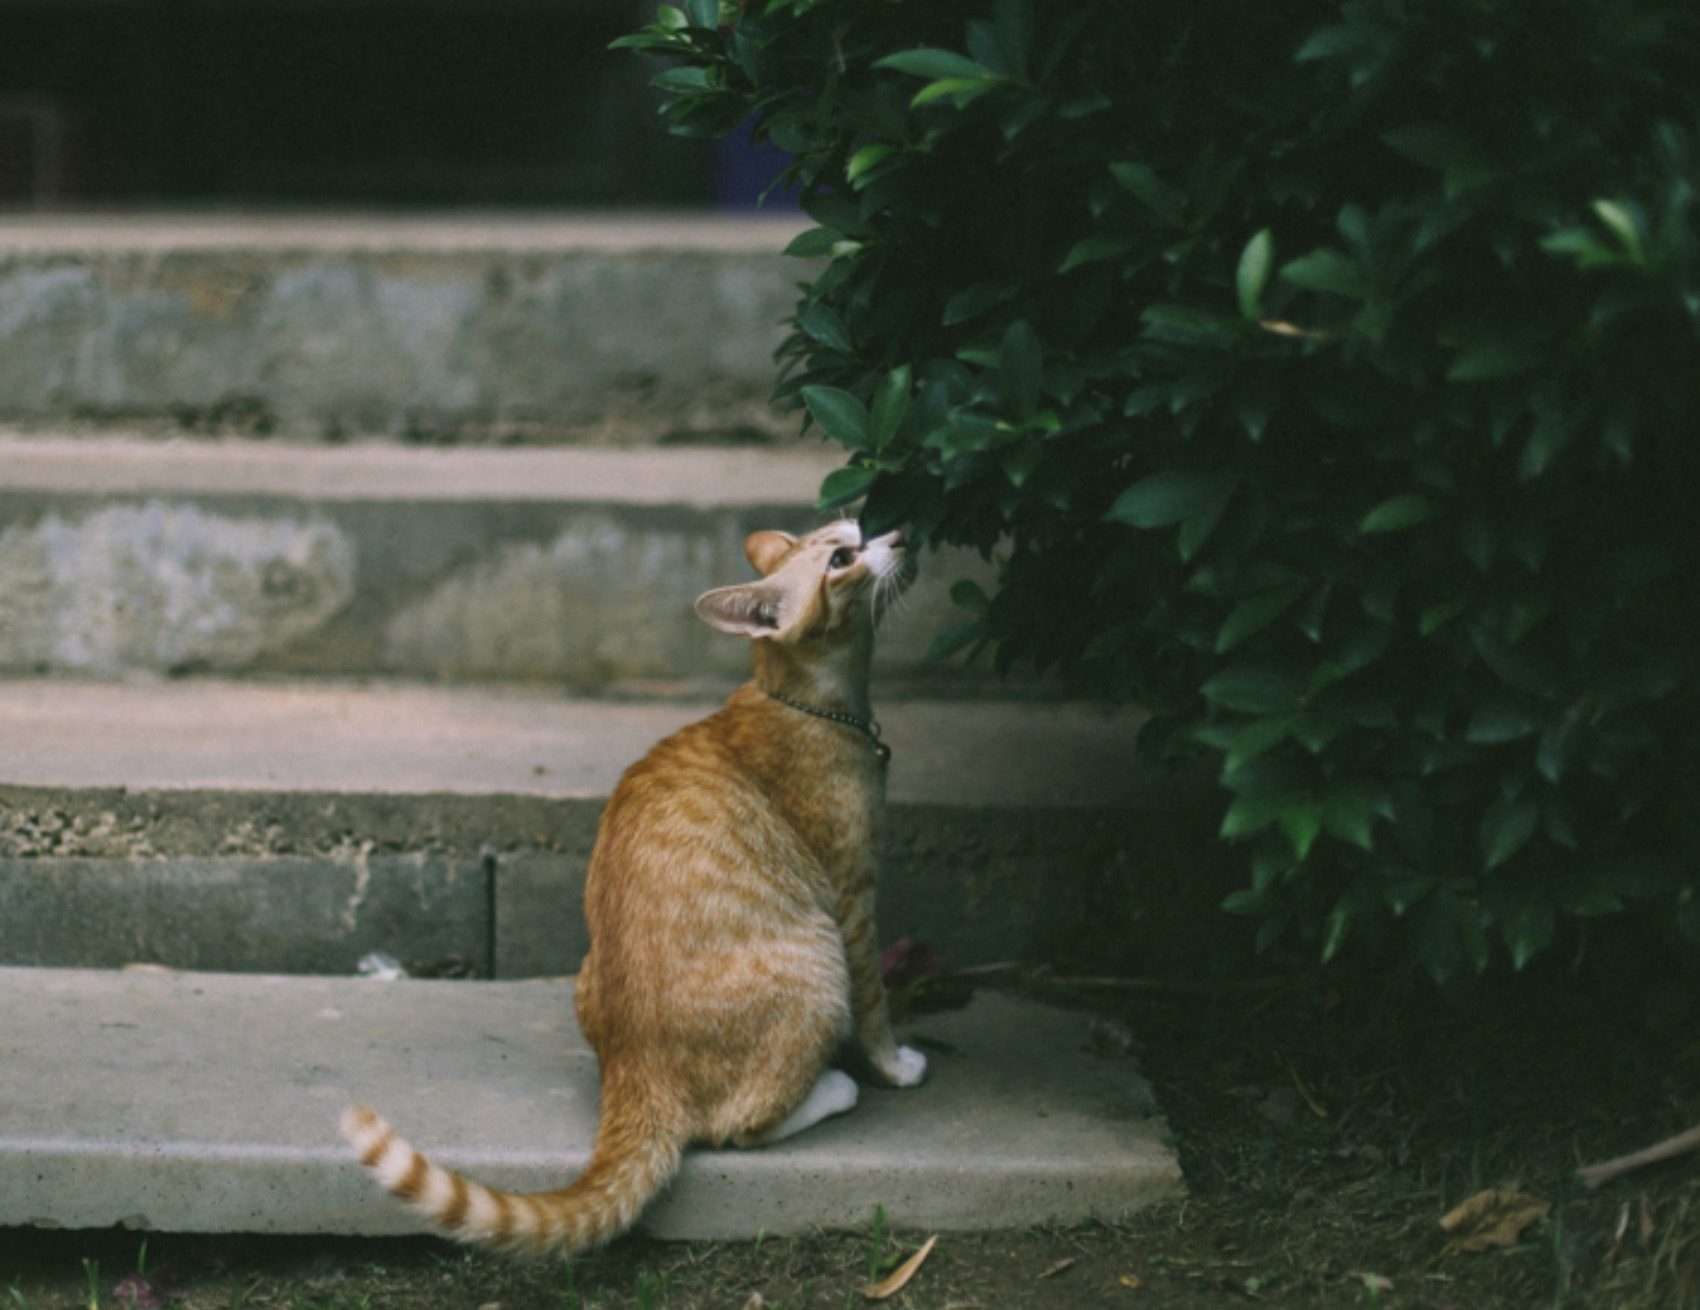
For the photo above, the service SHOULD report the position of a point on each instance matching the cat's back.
(702, 773)
(702, 805)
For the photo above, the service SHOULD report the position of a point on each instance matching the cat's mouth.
(891, 569)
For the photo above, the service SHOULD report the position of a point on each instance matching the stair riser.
(578, 594)
(440, 344)
(980, 885)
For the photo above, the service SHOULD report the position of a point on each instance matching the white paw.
(835, 1093)
(908, 1069)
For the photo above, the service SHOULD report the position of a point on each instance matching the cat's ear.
(766, 549)
(751, 610)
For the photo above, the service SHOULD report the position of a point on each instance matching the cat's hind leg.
(834, 1092)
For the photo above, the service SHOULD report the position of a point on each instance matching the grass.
(876, 1245)
(1324, 1124)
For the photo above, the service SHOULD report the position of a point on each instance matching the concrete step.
(120, 553)
(208, 1102)
(294, 828)
(613, 328)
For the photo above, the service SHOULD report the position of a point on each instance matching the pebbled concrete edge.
(1016, 1124)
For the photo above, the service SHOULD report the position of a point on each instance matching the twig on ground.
(1597, 1175)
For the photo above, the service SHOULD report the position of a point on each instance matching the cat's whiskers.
(891, 590)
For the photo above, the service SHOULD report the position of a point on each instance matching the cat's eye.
(842, 558)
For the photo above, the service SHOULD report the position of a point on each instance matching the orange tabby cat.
(730, 905)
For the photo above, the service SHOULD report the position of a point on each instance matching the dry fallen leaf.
(1375, 1282)
(1130, 1280)
(1492, 1218)
(901, 1275)
(756, 1302)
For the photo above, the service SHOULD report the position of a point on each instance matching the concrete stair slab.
(208, 1102)
(296, 827)
(399, 738)
(573, 566)
(620, 325)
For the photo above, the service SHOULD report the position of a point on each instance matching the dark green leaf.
(1584, 896)
(971, 596)
(1164, 499)
(934, 64)
(1398, 513)
(976, 299)
(823, 324)
(1301, 824)
(840, 213)
(1487, 360)
(1021, 366)
(1401, 893)
(1514, 669)
(841, 416)
(1251, 901)
(1116, 637)
(813, 244)
(1332, 42)
(1335, 929)
(1437, 934)
(1528, 926)
(1254, 690)
(1021, 461)
(1463, 164)
(1254, 739)
(866, 160)
(1256, 613)
(1253, 813)
(891, 404)
(1197, 528)
(1093, 249)
(1437, 616)
(1506, 829)
(1326, 270)
(682, 80)
(1621, 220)
(1256, 262)
(960, 89)
(1501, 721)
(1194, 320)
(967, 432)
(1349, 811)
(842, 486)
(1163, 199)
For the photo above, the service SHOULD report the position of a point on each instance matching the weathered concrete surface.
(284, 914)
(565, 566)
(402, 739)
(446, 328)
(1016, 1124)
(295, 828)
(498, 887)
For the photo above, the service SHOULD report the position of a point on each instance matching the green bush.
(1327, 376)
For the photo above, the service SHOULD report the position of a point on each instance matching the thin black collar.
(869, 728)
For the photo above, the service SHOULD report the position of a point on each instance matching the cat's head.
(831, 581)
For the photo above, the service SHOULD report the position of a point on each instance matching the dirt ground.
(1327, 1122)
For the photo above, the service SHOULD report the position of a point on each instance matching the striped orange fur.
(730, 902)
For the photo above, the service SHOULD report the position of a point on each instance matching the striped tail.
(631, 1162)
